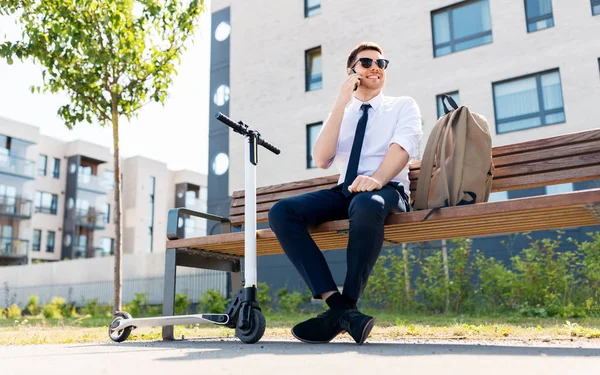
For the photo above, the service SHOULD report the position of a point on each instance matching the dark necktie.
(359, 136)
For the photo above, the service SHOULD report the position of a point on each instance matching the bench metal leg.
(169, 296)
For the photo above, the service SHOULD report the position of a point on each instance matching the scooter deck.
(220, 319)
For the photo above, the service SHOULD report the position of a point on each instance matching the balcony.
(92, 183)
(13, 247)
(91, 219)
(83, 251)
(17, 166)
(15, 206)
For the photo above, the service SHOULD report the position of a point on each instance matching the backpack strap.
(450, 101)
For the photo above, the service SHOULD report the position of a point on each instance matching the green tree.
(110, 57)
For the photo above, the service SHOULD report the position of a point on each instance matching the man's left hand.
(364, 183)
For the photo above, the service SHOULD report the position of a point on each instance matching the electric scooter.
(243, 313)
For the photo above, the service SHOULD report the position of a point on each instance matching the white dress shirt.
(391, 120)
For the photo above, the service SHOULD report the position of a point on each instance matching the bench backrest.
(567, 158)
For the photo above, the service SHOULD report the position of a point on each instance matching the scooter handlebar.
(243, 129)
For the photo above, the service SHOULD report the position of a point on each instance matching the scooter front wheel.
(123, 334)
(256, 330)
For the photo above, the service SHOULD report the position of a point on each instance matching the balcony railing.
(90, 219)
(83, 251)
(92, 183)
(15, 206)
(17, 166)
(13, 247)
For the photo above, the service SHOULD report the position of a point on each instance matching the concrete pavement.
(217, 356)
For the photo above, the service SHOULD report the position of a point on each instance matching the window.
(37, 240)
(312, 131)
(151, 215)
(559, 189)
(539, 14)
(46, 202)
(528, 102)
(314, 76)
(312, 7)
(461, 27)
(108, 246)
(440, 107)
(595, 7)
(56, 168)
(107, 216)
(42, 165)
(50, 241)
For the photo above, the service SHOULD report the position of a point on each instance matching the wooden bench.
(562, 159)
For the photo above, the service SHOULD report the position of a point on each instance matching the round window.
(220, 164)
(222, 95)
(222, 31)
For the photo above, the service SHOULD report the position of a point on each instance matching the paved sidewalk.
(216, 356)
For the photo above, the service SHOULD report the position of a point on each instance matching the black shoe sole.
(314, 342)
(366, 331)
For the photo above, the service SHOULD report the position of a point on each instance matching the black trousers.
(291, 217)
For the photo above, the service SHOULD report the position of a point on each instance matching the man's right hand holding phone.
(348, 87)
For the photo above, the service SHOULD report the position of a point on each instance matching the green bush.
(182, 304)
(33, 305)
(213, 302)
(90, 308)
(137, 305)
(263, 296)
(13, 312)
(290, 303)
(54, 308)
(540, 281)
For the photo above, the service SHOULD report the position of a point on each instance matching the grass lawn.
(84, 329)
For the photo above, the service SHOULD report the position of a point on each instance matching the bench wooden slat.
(288, 186)
(592, 135)
(514, 181)
(566, 158)
(517, 215)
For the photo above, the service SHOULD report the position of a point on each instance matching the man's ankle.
(337, 302)
(351, 302)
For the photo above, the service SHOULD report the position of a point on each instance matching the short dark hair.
(362, 47)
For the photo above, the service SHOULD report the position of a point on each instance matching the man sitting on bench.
(371, 138)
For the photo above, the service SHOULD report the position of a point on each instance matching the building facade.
(57, 199)
(531, 67)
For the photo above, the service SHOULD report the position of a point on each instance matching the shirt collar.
(375, 102)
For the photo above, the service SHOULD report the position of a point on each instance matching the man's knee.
(367, 208)
(280, 213)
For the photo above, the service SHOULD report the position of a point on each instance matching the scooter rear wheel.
(256, 329)
(123, 334)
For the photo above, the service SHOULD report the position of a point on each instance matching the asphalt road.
(216, 356)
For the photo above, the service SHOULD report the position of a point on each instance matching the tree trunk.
(406, 274)
(446, 272)
(118, 278)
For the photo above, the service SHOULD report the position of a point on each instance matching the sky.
(176, 134)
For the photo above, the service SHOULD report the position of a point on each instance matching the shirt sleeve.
(408, 130)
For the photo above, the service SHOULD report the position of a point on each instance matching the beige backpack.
(457, 167)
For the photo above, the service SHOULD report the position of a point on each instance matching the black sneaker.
(357, 324)
(320, 330)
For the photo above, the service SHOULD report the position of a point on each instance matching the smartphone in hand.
(352, 71)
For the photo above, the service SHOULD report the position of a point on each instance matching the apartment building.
(57, 199)
(531, 67)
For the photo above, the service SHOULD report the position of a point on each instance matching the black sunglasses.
(367, 62)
